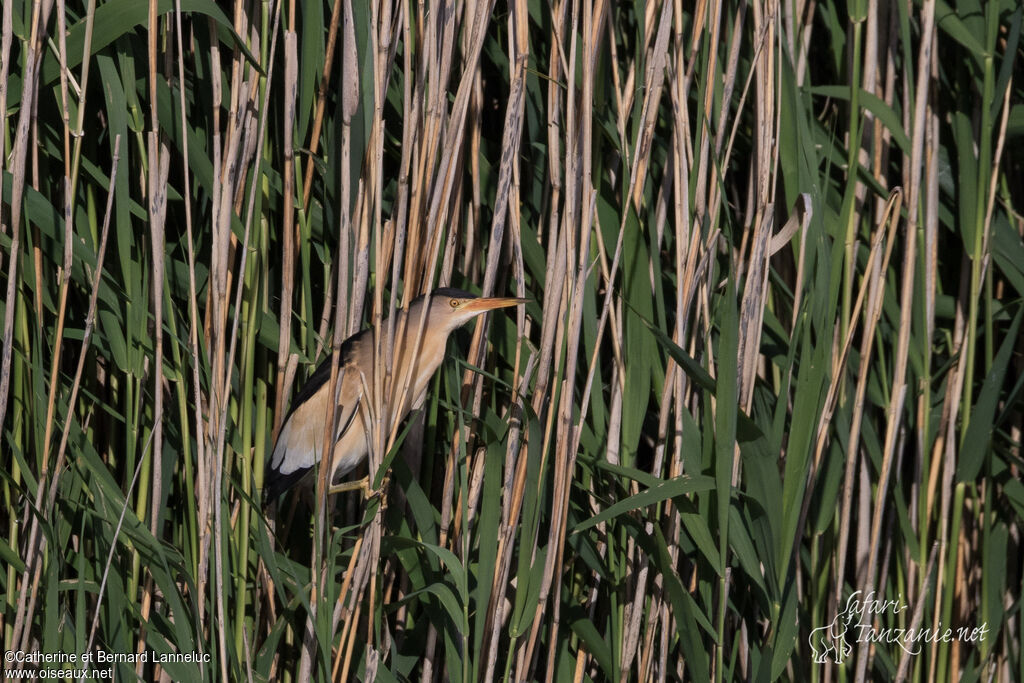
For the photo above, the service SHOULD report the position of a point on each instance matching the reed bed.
(771, 361)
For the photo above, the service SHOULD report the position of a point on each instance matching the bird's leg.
(361, 485)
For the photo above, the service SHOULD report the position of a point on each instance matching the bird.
(300, 442)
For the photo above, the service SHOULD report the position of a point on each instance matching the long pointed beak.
(485, 304)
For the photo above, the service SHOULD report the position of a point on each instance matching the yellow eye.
(454, 303)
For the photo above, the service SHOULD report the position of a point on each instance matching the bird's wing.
(300, 442)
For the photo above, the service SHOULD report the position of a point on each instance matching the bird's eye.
(454, 303)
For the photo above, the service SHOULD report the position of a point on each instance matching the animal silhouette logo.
(830, 641)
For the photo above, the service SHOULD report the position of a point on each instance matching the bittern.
(300, 442)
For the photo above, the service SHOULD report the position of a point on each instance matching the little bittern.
(300, 443)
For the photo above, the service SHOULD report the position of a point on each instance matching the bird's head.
(452, 308)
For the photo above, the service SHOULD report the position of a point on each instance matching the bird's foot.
(380, 493)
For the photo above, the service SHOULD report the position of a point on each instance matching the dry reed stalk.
(6, 37)
(526, 660)
(898, 391)
(675, 379)
(872, 314)
(321, 95)
(350, 613)
(226, 183)
(158, 157)
(759, 215)
(289, 228)
(915, 623)
(33, 59)
(383, 436)
(227, 337)
(929, 262)
(193, 312)
(203, 441)
(710, 27)
(89, 324)
(341, 611)
(518, 53)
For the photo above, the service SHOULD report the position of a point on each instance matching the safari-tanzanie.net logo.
(864, 620)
